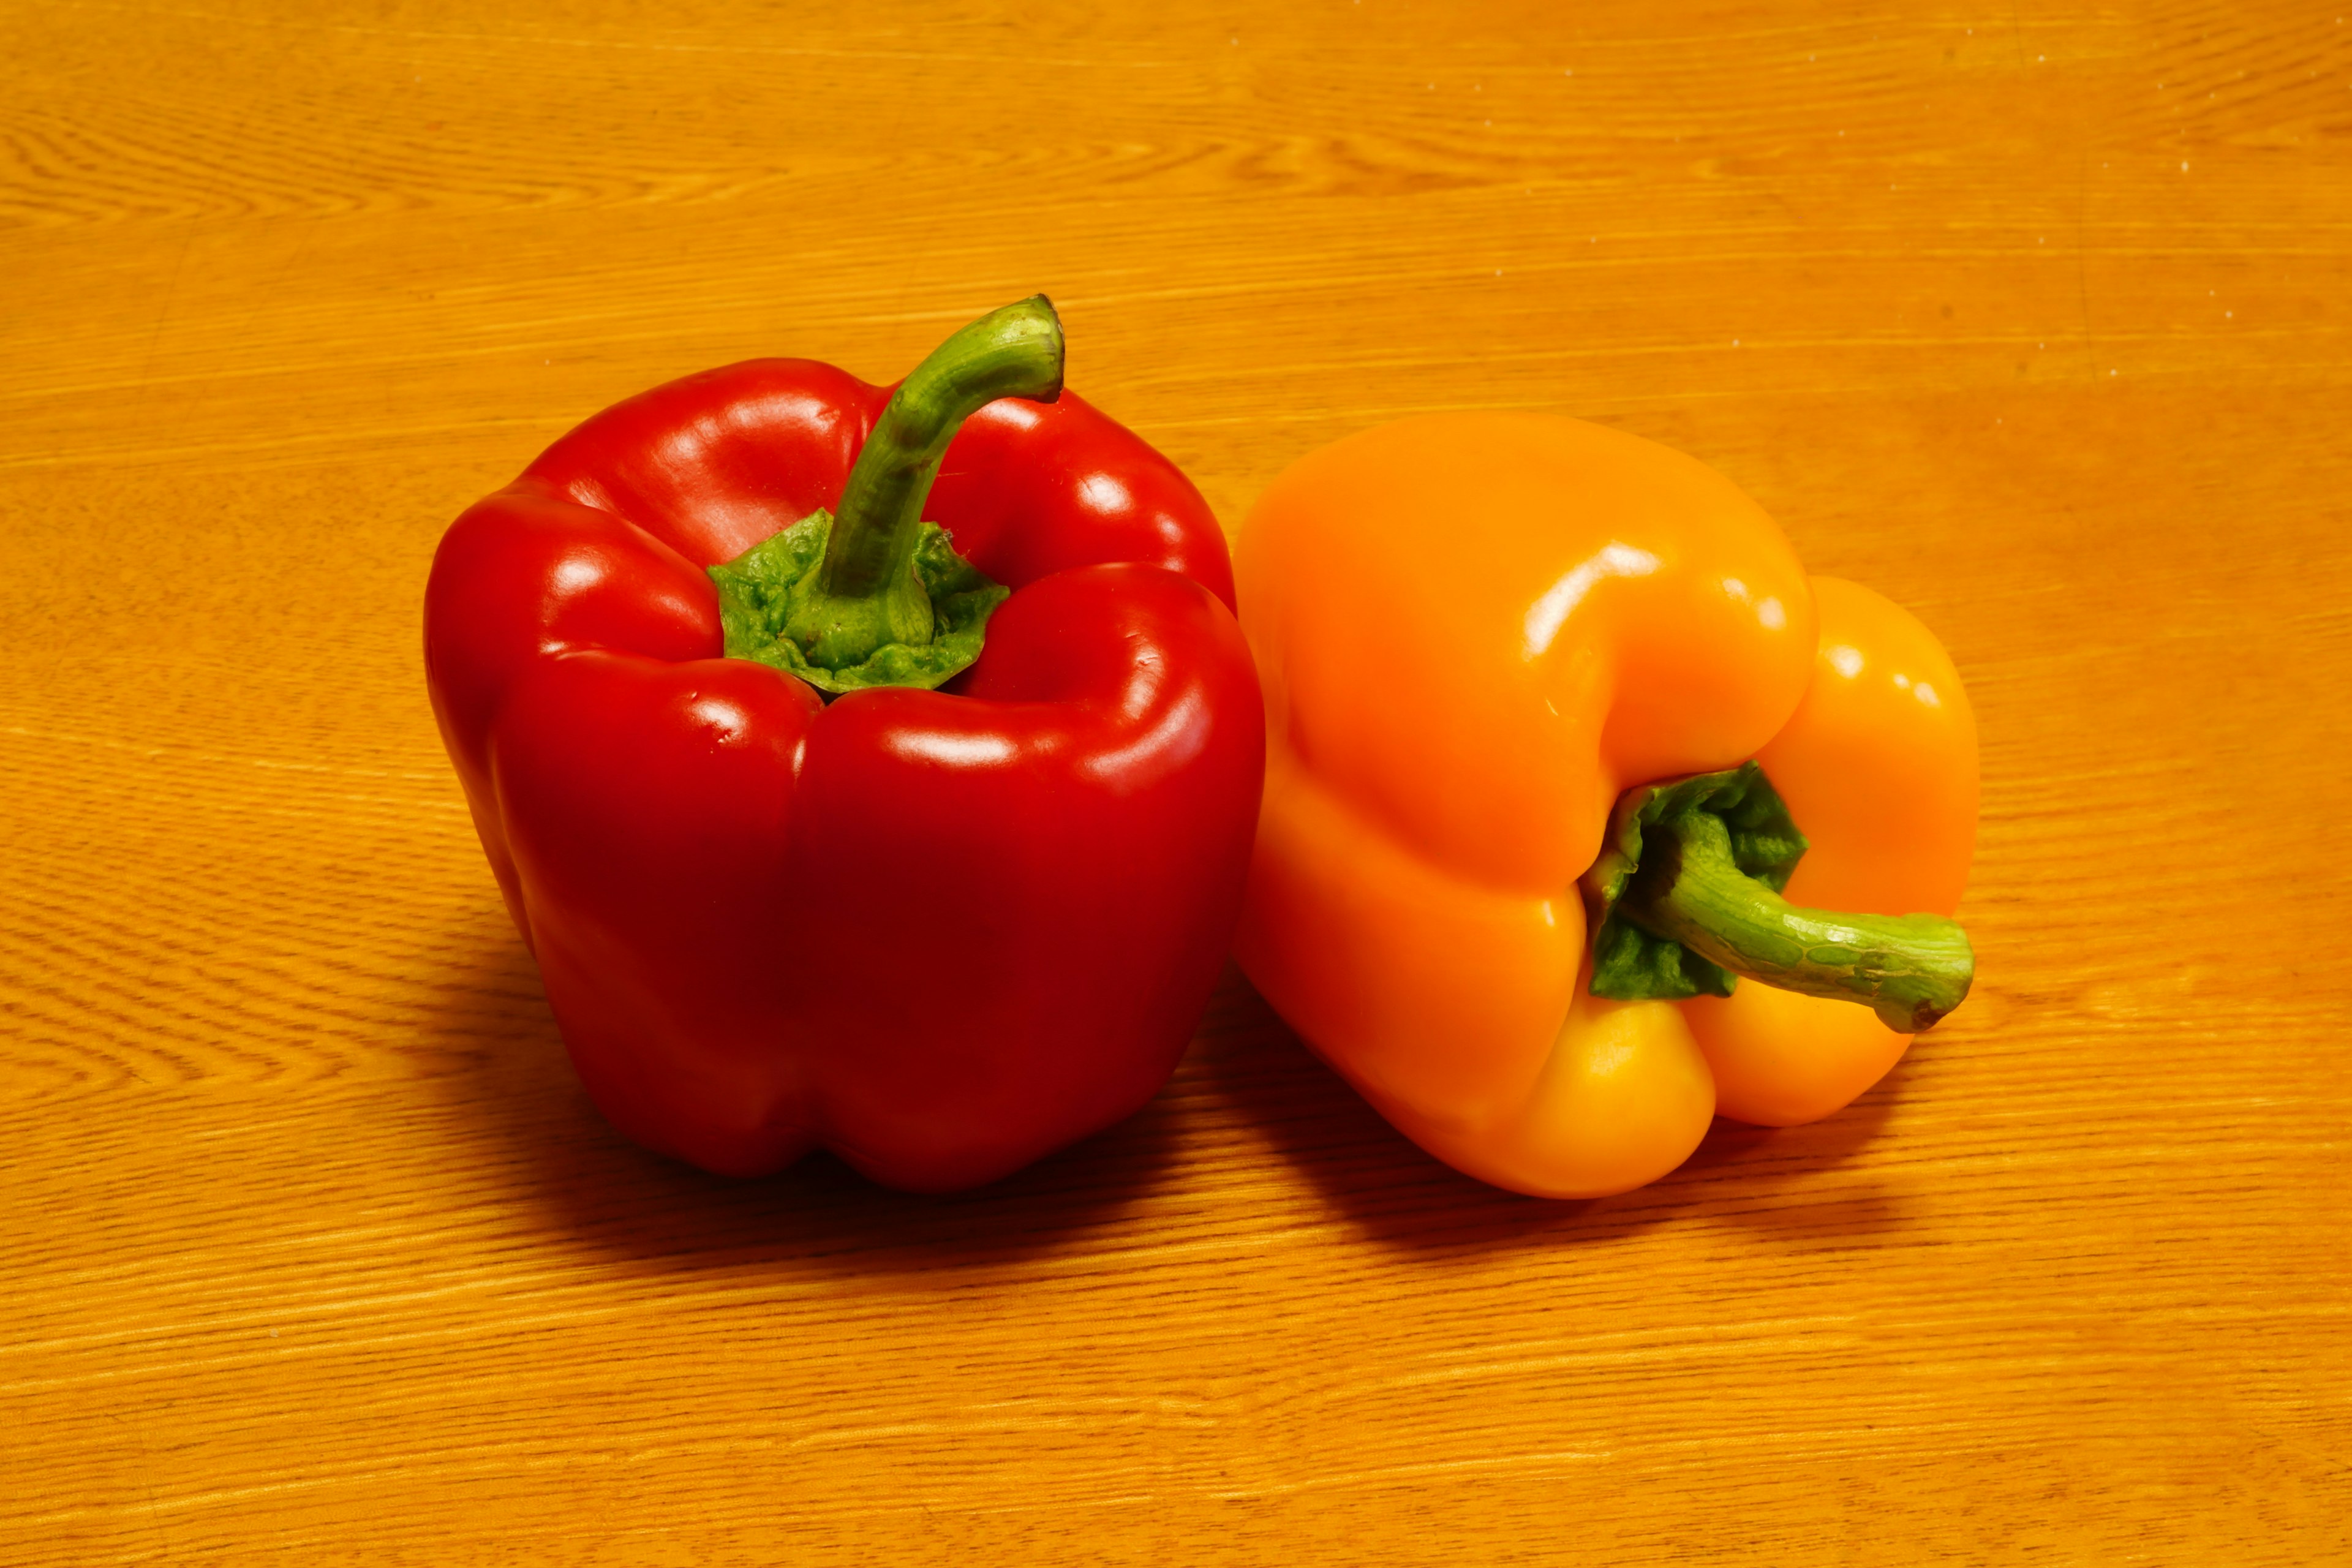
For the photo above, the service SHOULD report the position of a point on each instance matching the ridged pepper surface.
(939, 932)
(1482, 640)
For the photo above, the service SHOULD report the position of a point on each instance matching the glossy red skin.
(1050, 859)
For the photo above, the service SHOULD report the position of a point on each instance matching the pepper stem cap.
(869, 593)
(1686, 897)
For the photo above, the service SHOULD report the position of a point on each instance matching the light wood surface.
(2033, 316)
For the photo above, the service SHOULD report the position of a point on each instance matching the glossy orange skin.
(1473, 632)
(1878, 765)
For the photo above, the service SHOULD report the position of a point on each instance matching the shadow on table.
(1763, 1179)
(1246, 1093)
(526, 1124)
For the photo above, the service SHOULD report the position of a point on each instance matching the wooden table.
(2034, 316)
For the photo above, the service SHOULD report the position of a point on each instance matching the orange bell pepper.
(1474, 634)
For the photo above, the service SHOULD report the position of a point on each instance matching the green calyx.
(760, 590)
(1685, 896)
(870, 595)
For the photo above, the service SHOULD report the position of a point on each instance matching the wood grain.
(2033, 316)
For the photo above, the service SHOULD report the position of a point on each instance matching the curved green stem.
(1910, 969)
(865, 593)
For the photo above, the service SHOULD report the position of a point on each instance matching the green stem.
(865, 593)
(1910, 969)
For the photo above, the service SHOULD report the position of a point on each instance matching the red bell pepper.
(940, 932)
